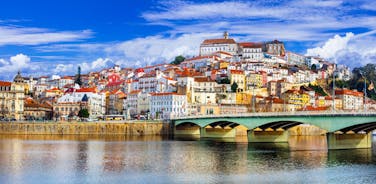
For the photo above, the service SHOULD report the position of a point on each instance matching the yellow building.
(223, 64)
(298, 98)
(12, 96)
(254, 80)
(238, 77)
(207, 109)
(243, 98)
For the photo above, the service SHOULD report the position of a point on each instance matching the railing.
(265, 114)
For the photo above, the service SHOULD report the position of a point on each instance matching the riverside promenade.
(132, 128)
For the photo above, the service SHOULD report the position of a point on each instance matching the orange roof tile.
(4, 83)
(85, 90)
(250, 45)
(218, 41)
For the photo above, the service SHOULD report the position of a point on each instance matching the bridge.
(344, 130)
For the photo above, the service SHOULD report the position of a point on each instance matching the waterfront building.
(75, 99)
(116, 101)
(12, 96)
(168, 105)
(34, 110)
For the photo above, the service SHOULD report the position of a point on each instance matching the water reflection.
(154, 159)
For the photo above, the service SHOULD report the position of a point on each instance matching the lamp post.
(333, 95)
(253, 99)
(365, 91)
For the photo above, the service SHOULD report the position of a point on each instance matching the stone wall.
(86, 128)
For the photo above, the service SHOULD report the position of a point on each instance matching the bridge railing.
(295, 113)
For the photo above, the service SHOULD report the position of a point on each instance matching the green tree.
(178, 60)
(318, 89)
(313, 67)
(234, 87)
(225, 81)
(83, 113)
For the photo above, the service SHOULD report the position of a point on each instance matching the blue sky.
(54, 37)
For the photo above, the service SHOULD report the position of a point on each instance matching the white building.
(96, 102)
(351, 99)
(168, 105)
(251, 51)
(225, 44)
(294, 58)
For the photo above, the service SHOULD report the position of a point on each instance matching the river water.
(117, 159)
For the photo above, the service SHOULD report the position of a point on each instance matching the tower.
(225, 35)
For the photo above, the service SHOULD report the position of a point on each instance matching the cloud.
(12, 35)
(353, 50)
(263, 20)
(331, 47)
(187, 11)
(8, 68)
(152, 49)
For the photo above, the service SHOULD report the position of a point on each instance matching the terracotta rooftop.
(218, 41)
(4, 83)
(250, 45)
(203, 79)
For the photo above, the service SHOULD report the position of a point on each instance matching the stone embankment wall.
(86, 128)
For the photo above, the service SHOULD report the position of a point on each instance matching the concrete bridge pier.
(267, 135)
(187, 130)
(348, 140)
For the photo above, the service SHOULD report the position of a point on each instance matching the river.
(154, 159)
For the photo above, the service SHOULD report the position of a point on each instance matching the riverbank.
(135, 128)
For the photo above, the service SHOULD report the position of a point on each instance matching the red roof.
(236, 71)
(219, 41)
(135, 92)
(348, 92)
(250, 45)
(203, 79)
(117, 83)
(4, 83)
(85, 90)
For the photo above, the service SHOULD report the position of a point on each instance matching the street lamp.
(253, 99)
(365, 91)
(333, 95)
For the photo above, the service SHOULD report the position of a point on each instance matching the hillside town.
(226, 77)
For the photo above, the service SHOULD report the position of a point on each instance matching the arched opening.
(186, 124)
(279, 125)
(222, 124)
(359, 129)
(187, 129)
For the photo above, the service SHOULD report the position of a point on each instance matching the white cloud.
(187, 11)
(8, 68)
(11, 35)
(331, 47)
(153, 49)
(351, 50)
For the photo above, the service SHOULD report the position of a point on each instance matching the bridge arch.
(222, 124)
(285, 125)
(364, 127)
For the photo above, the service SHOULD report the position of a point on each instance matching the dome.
(18, 78)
